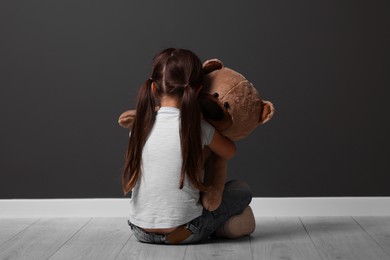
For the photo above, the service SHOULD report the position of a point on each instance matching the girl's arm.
(222, 146)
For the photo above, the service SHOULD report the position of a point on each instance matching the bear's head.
(230, 102)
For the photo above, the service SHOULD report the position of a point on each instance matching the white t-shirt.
(157, 201)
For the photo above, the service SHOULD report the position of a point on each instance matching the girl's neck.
(167, 101)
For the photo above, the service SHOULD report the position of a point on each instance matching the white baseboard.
(262, 207)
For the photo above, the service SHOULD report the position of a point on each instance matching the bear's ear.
(267, 112)
(211, 65)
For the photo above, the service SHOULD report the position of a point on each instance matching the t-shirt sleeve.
(207, 132)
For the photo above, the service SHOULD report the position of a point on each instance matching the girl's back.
(157, 201)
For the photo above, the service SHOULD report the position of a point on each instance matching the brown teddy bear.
(234, 107)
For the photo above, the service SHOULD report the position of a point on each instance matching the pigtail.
(139, 134)
(191, 141)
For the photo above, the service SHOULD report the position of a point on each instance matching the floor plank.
(282, 238)
(224, 249)
(101, 238)
(274, 238)
(10, 227)
(378, 228)
(42, 239)
(342, 238)
(137, 250)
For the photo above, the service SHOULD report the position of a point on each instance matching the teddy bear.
(234, 107)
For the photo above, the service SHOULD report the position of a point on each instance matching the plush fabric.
(234, 106)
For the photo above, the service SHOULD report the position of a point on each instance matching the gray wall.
(69, 68)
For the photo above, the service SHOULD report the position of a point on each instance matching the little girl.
(163, 166)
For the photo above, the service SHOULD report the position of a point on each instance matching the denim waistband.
(150, 237)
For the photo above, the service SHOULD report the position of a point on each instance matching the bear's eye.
(226, 105)
(216, 95)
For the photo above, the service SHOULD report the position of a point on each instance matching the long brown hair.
(177, 73)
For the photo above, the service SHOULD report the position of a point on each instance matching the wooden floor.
(275, 238)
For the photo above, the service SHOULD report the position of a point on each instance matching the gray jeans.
(236, 197)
